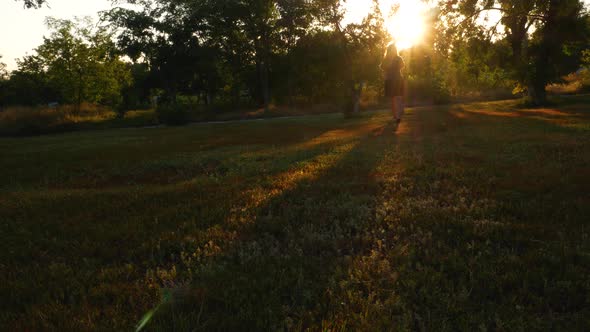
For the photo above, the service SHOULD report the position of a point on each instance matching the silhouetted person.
(392, 66)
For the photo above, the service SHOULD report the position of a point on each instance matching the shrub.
(27, 121)
(173, 114)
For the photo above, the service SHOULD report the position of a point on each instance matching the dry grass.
(37, 120)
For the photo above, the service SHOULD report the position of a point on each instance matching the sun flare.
(406, 25)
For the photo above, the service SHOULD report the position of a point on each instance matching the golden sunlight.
(406, 25)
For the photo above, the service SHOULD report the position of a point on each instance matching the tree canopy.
(75, 63)
(33, 3)
(256, 53)
(546, 37)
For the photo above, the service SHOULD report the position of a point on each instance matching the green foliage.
(546, 37)
(76, 63)
(263, 51)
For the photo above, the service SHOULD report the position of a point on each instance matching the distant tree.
(209, 46)
(229, 47)
(3, 70)
(546, 37)
(79, 63)
(172, 43)
(361, 45)
(252, 33)
(33, 3)
(3, 85)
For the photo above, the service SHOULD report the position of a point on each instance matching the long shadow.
(184, 220)
(88, 237)
(276, 274)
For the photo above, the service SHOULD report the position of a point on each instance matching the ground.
(468, 217)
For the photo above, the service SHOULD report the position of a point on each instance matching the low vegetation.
(468, 217)
(30, 121)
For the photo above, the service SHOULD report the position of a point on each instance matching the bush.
(27, 121)
(173, 114)
(585, 78)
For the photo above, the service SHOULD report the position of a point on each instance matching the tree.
(174, 44)
(262, 30)
(227, 48)
(33, 3)
(222, 43)
(3, 85)
(3, 70)
(546, 36)
(362, 45)
(79, 63)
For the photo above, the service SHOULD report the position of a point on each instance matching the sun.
(406, 25)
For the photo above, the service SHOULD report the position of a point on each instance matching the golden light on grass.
(289, 180)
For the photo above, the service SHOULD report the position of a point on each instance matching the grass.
(30, 121)
(469, 217)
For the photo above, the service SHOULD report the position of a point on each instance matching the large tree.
(79, 62)
(229, 40)
(546, 36)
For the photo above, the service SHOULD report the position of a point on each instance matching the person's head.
(391, 50)
(390, 53)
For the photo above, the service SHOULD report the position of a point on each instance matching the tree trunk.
(517, 25)
(540, 77)
(262, 66)
(265, 86)
(79, 106)
(353, 106)
(357, 91)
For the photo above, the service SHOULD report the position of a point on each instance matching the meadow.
(467, 217)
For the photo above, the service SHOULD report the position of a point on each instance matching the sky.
(21, 30)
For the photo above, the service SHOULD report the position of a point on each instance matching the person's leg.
(394, 107)
(399, 107)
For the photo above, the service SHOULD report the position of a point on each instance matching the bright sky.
(22, 30)
(406, 26)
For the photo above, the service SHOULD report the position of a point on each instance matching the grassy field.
(34, 121)
(469, 217)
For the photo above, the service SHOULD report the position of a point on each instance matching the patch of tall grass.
(18, 120)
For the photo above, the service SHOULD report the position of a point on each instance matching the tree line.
(217, 53)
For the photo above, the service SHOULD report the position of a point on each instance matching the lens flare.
(406, 25)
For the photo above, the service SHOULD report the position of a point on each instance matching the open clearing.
(469, 217)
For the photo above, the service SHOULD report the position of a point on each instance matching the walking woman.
(392, 66)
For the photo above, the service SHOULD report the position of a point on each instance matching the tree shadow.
(275, 273)
(189, 224)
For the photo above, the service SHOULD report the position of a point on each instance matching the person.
(392, 66)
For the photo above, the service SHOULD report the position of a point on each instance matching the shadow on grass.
(277, 271)
(182, 220)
